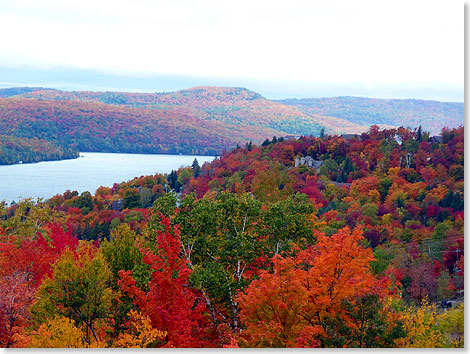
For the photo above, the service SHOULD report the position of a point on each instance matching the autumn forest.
(53, 124)
(318, 240)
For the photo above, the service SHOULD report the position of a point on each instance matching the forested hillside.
(13, 150)
(294, 116)
(310, 242)
(89, 126)
(230, 105)
(431, 115)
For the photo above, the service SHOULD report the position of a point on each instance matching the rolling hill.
(229, 105)
(91, 126)
(431, 115)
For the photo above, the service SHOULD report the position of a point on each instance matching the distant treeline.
(23, 150)
(431, 115)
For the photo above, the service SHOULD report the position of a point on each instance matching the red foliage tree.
(169, 302)
(22, 268)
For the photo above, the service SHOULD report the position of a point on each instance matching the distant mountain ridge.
(13, 91)
(230, 105)
(345, 114)
(431, 115)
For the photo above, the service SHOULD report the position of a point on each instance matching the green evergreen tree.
(419, 134)
(132, 199)
(172, 179)
(196, 168)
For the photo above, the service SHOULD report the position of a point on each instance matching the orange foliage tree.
(287, 307)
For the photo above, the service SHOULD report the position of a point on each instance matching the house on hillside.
(308, 161)
(341, 184)
(292, 137)
(117, 205)
(350, 136)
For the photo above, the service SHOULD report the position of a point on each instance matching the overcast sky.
(407, 48)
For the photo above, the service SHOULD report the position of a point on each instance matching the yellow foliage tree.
(58, 332)
(451, 323)
(422, 328)
(141, 333)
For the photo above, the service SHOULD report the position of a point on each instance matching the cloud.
(366, 42)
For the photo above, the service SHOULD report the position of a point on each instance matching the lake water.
(86, 173)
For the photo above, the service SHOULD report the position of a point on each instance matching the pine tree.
(419, 134)
(266, 142)
(196, 168)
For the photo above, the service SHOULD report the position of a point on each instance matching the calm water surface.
(90, 171)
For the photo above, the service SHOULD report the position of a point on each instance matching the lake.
(86, 173)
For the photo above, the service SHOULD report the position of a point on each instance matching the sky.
(295, 48)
